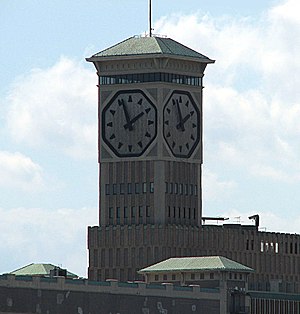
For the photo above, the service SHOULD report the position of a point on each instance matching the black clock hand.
(179, 125)
(183, 121)
(128, 122)
(133, 120)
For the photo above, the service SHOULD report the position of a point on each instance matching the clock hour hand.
(133, 120)
(180, 125)
(128, 122)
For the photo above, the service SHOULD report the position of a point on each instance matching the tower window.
(166, 187)
(129, 188)
(147, 211)
(114, 189)
(125, 212)
(122, 188)
(118, 212)
(191, 189)
(171, 188)
(169, 211)
(176, 188)
(196, 189)
(186, 189)
(140, 211)
(144, 187)
(111, 212)
(137, 188)
(180, 188)
(107, 189)
(133, 211)
(151, 187)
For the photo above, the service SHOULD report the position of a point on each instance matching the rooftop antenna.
(150, 18)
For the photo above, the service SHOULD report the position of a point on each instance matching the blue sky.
(48, 114)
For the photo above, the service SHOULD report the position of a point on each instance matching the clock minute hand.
(180, 125)
(128, 122)
(133, 120)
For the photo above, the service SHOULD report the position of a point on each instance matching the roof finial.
(150, 18)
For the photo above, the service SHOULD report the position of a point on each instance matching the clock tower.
(150, 152)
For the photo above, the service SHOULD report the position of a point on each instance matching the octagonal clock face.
(129, 123)
(181, 124)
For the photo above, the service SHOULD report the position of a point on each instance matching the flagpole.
(150, 18)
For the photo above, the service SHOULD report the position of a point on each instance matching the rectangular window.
(133, 211)
(165, 277)
(176, 188)
(156, 277)
(186, 189)
(201, 276)
(129, 188)
(191, 189)
(189, 213)
(192, 276)
(180, 188)
(111, 212)
(118, 212)
(166, 191)
(211, 275)
(171, 188)
(114, 189)
(173, 277)
(174, 212)
(140, 211)
(125, 212)
(107, 189)
(169, 211)
(179, 212)
(147, 211)
(144, 187)
(183, 212)
(122, 188)
(151, 187)
(196, 189)
(137, 188)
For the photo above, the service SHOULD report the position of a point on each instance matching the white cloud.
(55, 108)
(35, 235)
(251, 99)
(19, 171)
(214, 187)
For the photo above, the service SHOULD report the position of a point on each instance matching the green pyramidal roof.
(138, 46)
(38, 270)
(203, 263)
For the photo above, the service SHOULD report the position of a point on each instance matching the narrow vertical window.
(118, 212)
(191, 189)
(122, 188)
(171, 188)
(166, 190)
(196, 189)
(140, 211)
(169, 211)
(186, 189)
(129, 188)
(176, 188)
(151, 187)
(133, 212)
(174, 212)
(114, 189)
(144, 187)
(107, 189)
(111, 212)
(147, 211)
(125, 212)
(137, 188)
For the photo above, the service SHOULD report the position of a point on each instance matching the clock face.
(129, 123)
(181, 124)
